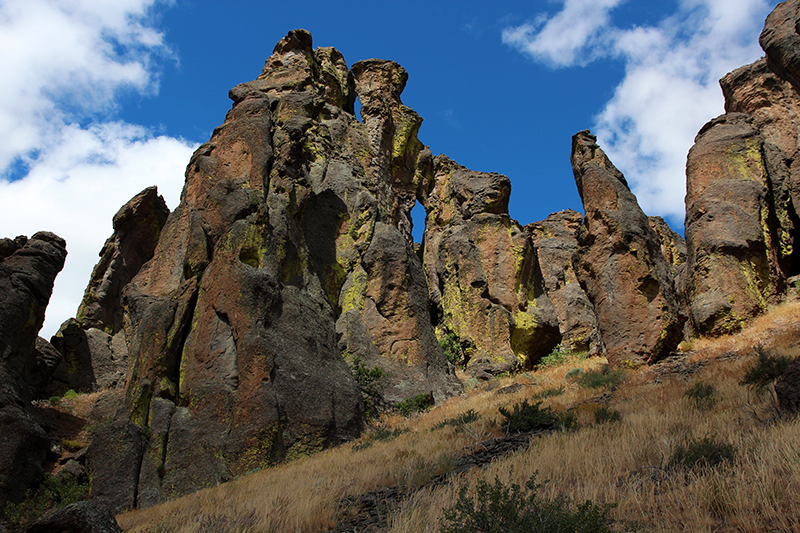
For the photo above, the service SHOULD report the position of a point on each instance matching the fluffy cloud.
(66, 164)
(670, 88)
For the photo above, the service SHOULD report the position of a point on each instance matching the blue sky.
(124, 90)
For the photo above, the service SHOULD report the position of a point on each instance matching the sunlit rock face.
(289, 254)
(620, 263)
(483, 270)
(743, 187)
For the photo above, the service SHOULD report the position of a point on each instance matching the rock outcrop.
(620, 264)
(557, 242)
(289, 253)
(93, 346)
(743, 187)
(483, 272)
(28, 269)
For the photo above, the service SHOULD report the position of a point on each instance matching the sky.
(99, 100)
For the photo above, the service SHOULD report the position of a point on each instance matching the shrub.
(604, 414)
(559, 355)
(414, 405)
(369, 383)
(767, 368)
(596, 380)
(378, 435)
(453, 349)
(706, 452)
(702, 396)
(549, 393)
(573, 374)
(52, 493)
(526, 417)
(458, 422)
(70, 394)
(497, 508)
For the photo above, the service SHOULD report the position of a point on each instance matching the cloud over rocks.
(66, 164)
(670, 86)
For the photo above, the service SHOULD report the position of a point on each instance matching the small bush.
(573, 374)
(70, 394)
(453, 349)
(526, 417)
(497, 508)
(458, 422)
(702, 396)
(414, 405)
(597, 380)
(52, 493)
(369, 383)
(73, 445)
(378, 435)
(767, 368)
(559, 354)
(706, 452)
(549, 393)
(604, 414)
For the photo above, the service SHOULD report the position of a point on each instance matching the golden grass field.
(623, 462)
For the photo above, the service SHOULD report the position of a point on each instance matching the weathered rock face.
(483, 272)
(730, 229)
(28, 269)
(620, 264)
(137, 226)
(743, 186)
(93, 344)
(291, 249)
(556, 242)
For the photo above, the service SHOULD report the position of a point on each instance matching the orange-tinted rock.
(556, 243)
(733, 266)
(483, 271)
(620, 264)
(291, 250)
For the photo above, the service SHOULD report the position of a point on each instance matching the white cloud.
(564, 38)
(57, 103)
(670, 88)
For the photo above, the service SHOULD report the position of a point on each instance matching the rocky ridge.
(234, 323)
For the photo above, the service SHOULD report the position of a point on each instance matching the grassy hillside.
(680, 446)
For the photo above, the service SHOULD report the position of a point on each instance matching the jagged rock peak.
(781, 41)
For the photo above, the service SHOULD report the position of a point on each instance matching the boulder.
(556, 242)
(620, 264)
(114, 457)
(781, 41)
(81, 517)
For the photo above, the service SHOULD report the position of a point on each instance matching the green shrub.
(70, 394)
(378, 435)
(559, 355)
(458, 422)
(526, 417)
(52, 493)
(549, 393)
(604, 414)
(573, 374)
(597, 380)
(369, 383)
(453, 349)
(702, 396)
(497, 508)
(415, 404)
(706, 452)
(767, 368)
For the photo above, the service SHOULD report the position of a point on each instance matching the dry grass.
(621, 462)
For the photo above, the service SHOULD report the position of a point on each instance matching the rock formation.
(93, 344)
(556, 241)
(28, 269)
(743, 186)
(483, 272)
(620, 264)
